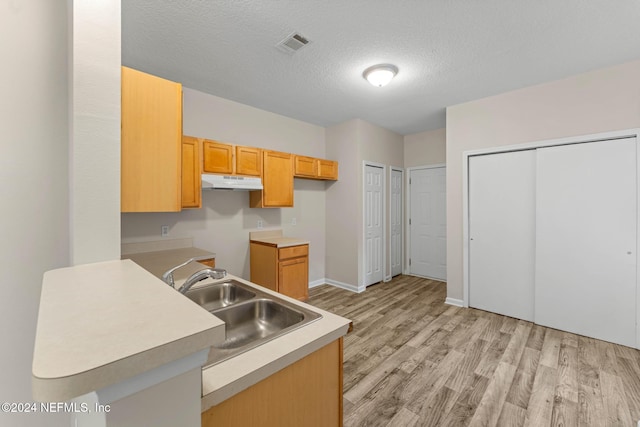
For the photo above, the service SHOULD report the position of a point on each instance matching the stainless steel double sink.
(251, 317)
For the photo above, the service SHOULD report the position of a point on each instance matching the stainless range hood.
(228, 182)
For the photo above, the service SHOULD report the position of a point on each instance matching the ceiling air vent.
(292, 43)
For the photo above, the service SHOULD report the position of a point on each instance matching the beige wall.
(352, 143)
(378, 145)
(224, 222)
(425, 148)
(341, 209)
(599, 101)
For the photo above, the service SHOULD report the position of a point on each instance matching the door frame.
(603, 136)
(402, 222)
(362, 286)
(407, 269)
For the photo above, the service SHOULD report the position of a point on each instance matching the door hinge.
(409, 221)
(409, 181)
(409, 261)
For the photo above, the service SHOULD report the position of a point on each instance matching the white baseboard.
(454, 301)
(387, 279)
(318, 282)
(345, 286)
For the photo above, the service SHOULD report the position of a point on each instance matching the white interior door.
(502, 233)
(586, 239)
(396, 222)
(373, 177)
(428, 223)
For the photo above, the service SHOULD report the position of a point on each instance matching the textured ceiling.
(447, 51)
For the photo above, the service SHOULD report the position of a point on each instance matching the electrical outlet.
(293, 221)
(164, 231)
(259, 223)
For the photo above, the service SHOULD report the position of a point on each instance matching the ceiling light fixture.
(380, 75)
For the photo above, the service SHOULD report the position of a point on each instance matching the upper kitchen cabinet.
(311, 167)
(328, 169)
(218, 157)
(191, 181)
(227, 159)
(277, 180)
(151, 163)
(248, 161)
(305, 167)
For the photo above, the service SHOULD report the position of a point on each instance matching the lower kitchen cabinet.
(284, 270)
(306, 393)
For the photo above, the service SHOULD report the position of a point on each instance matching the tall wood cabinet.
(151, 156)
(277, 180)
(284, 270)
(191, 181)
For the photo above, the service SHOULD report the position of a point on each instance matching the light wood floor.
(411, 360)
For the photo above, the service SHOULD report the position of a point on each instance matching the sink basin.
(252, 317)
(219, 295)
(255, 320)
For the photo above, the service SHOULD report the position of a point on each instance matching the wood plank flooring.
(411, 360)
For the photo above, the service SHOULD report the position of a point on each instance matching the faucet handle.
(218, 273)
(167, 276)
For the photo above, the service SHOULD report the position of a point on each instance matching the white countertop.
(157, 262)
(275, 238)
(227, 378)
(100, 324)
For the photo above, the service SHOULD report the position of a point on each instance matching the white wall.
(599, 101)
(34, 182)
(223, 223)
(425, 148)
(38, 219)
(95, 132)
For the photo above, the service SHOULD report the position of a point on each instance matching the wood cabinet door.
(328, 169)
(248, 161)
(277, 179)
(150, 143)
(293, 278)
(191, 181)
(305, 166)
(218, 157)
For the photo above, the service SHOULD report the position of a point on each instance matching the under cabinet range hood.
(227, 182)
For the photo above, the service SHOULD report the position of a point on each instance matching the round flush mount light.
(380, 75)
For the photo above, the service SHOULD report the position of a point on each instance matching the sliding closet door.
(502, 233)
(585, 276)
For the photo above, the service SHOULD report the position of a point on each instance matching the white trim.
(345, 286)
(434, 166)
(317, 283)
(454, 301)
(366, 163)
(627, 133)
(402, 219)
(427, 277)
(387, 278)
(407, 267)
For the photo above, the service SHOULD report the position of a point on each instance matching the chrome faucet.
(167, 277)
(214, 273)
